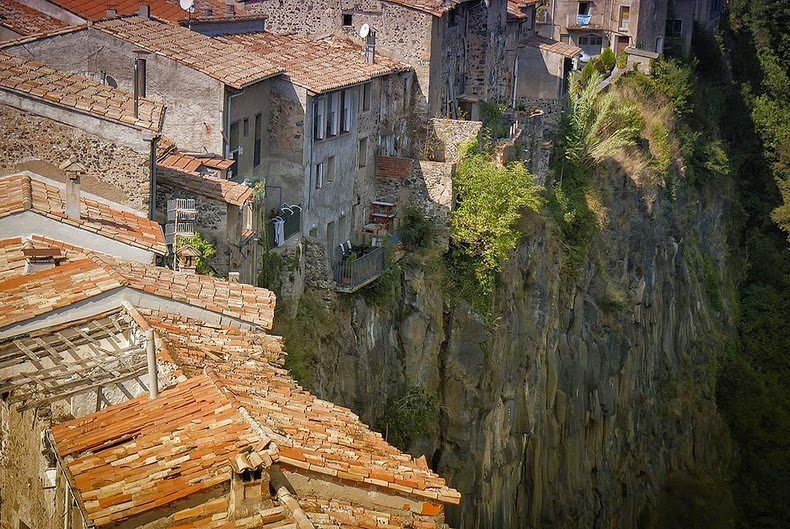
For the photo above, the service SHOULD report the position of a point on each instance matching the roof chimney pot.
(144, 11)
(73, 170)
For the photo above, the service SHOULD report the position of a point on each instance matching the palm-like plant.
(598, 125)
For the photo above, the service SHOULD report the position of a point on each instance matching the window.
(330, 169)
(319, 175)
(348, 19)
(318, 119)
(331, 114)
(246, 127)
(363, 152)
(258, 133)
(387, 145)
(674, 27)
(367, 88)
(584, 8)
(590, 40)
(625, 15)
(345, 111)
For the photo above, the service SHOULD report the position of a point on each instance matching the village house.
(330, 111)
(136, 396)
(47, 115)
(81, 11)
(227, 87)
(615, 24)
(456, 47)
(541, 65)
(227, 213)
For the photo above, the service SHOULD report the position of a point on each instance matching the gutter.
(152, 172)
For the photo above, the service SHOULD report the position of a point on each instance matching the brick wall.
(113, 171)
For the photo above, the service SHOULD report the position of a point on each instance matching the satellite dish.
(364, 31)
(186, 5)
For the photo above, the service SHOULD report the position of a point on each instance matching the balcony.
(358, 268)
(584, 22)
(286, 222)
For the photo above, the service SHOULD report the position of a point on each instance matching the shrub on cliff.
(491, 200)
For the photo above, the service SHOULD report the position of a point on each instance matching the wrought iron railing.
(350, 272)
(289, 217)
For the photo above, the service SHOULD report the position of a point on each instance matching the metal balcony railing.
(351, 273)
(286, 223)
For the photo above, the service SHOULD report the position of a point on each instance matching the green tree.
(206, 249)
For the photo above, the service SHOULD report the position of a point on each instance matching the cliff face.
(588, 388)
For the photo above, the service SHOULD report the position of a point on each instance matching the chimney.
(73, 170)
(234, 277)
(150, 351)
(139, 80)
(208, 12)
(230, 9)
(144, 11)
(112, 12)
(370, 47)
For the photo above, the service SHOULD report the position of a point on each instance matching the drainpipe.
(515, 80)
(226, 134)
(152, 172)
(150, 350)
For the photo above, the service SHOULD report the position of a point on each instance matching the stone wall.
(552, 108)
(317, 270)
(39, 144)
(429, 187)
(446, 136)
(528, 145)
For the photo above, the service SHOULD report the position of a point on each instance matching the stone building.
(136, 396)
(330, 112)
(456, 47)
(615, 24)
(228, 216)
(683, 14)
(541, 65)
(47, 116)
(80, 11)
(227, 87)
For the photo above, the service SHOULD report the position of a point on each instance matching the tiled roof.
(310, 434)
(192, 163)
(166, 9)
(214, 188)
(146, 453)
(340, 514)
(25, 20)
(390, 167)
(35, 80)
(553, 46)
(318, 65)
(28, 296)
(228, 63)
(515, 8)
(25, 297)
(21, 192)
(434, 7)
(12, 260)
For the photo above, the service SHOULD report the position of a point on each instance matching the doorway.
(622, 44)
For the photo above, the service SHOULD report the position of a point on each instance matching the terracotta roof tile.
(228, 63)
(166, 9)
(214, 188)
(35, 80)
(553, 46)
(318, 65)
(25, 297)
(25, 20)
(340, 514)
(143, 454)
(21, 192)
(310, 434)
(433, 7)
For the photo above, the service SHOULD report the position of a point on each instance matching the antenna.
(364, 31)
(187, 5)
